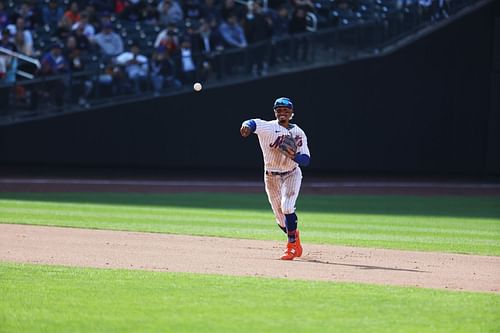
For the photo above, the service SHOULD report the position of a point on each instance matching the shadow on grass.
(483, 207)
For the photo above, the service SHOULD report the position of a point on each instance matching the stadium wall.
(428, 108)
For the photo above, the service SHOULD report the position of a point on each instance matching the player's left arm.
(303, 156)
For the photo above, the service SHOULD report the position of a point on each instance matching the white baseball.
(197, 86)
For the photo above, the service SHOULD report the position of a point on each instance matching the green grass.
(60, 299)
(448, 224)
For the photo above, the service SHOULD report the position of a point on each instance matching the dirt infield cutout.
(211, 255)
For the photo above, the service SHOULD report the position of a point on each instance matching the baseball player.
(284, 147)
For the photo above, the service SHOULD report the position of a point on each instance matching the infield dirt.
(211, 255)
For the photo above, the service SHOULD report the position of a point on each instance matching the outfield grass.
(60, 299)
(448, 224)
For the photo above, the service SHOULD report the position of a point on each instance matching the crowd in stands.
(148, 44)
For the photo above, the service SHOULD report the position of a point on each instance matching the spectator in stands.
(281, 22)
(54, 63)
(228, 7)
(257, 28)
(163, 71)
(29, 14)
(111, 80)
(209, 44)
(298, 25)
(73, 13)
(52, 13)
(63, 28)
(110, 43)
(81, 86)
(298, 22)
(192, 10)
(119, 6)
(150, 14)
(8, 67)
(187, 64)
(190, 29)
(233, 37)
(4, 17)
(8, 64)
(73, 55)
(21, 44)
(82, 42)
(104, 19)
(25, 48)
(209, 11)
(19, 27)
(132, 10)
(135, 66)
(168, 38)
(6, 37)
(92, 15)
(170, 12)
(232, 33)
(280, 28)
(88, 29)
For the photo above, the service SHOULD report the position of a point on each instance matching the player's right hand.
(245, 131)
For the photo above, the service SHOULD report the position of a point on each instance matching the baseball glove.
(288, 146)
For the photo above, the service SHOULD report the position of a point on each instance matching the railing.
(21, 57)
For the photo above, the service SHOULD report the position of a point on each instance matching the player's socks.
(291, 226)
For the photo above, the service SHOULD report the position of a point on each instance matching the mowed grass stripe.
(400, 205)
(61, 299)
(167, 215)
(219, 217)
(27, 208)
(38, 216)
(366, 232)
(249, 216)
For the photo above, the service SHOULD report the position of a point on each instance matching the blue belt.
(276, 173)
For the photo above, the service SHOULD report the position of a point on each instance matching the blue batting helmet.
(283, 102)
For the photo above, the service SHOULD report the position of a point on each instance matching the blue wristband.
(251, 124)
(302, 159)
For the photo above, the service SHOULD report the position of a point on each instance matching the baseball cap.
(283, 102)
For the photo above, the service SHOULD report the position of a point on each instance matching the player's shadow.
(367, 267)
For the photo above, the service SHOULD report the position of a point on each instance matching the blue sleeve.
(250, 123)
(302, 159)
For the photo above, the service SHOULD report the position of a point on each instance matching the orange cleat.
(298, 245)
(290, 252)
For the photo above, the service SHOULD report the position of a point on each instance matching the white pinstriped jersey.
(270, 134)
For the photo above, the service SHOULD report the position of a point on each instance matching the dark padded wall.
(425, 109)
(493, 155)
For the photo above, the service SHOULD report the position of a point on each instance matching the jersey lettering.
(271, 135)
(298, 140)
(277, 142)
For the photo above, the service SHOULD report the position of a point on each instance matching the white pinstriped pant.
(282, 192)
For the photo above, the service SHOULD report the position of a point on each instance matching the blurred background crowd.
(68, 53)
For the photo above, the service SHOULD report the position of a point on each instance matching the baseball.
(197, 86)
